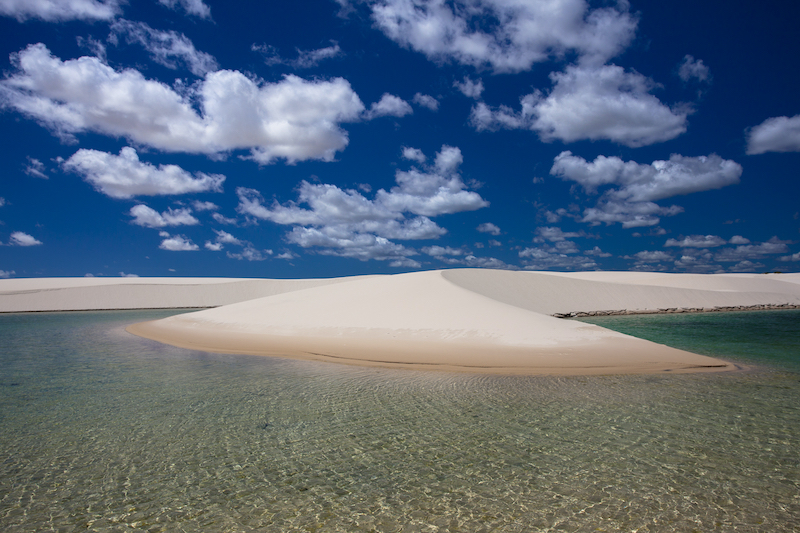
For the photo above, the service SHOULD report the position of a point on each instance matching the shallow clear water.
(103, 431)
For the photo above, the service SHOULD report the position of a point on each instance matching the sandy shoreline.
(457, 320)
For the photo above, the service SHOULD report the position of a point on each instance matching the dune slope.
(551, 292)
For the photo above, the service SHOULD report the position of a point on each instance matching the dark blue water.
(104, 431)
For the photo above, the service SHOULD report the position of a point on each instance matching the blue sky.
(324, 138)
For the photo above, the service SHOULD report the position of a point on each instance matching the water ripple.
(103, 431)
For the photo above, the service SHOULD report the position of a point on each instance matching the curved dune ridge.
(470, 320)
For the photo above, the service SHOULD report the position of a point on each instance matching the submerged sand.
(462, 320)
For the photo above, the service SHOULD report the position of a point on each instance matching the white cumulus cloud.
(177, 243)
(473, 261)
(193, 7)
(311, 58)
(752, 251)
(597, 252)
(651, 256)
(432, 192)
(222, 219)
(595, 103)
(248, 253)
(691, 68)
(560, 257)
(426, 100)
(697, 241)
(361, 246)
(469, 88)
(628, 214)
(224, 237)
(679, 175)
(125, 176)
(439, 251)
(505, 35)
(554, 234)
(635, 187)
(341, 212)
(698, 261)
(204, 206)
(287, 255)
(61, 10)
(304, 59)
(389, 106)
(36, 169)
(167, 48)
(19, 238)
(456, 256)
(344, 222)
(293, 119)
(746, 266)
(414, 154)
(776, 134)
(488, 227)
(150, 218)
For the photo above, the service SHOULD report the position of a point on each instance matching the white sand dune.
(473, 320)
(462, 320)
(84, 294)
(555, 292)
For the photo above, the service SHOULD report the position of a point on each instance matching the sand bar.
(456, 320)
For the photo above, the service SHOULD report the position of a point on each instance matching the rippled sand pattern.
(103, 431)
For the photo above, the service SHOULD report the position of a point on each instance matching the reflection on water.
(103, 431)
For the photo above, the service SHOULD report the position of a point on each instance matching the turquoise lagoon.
(104, 431)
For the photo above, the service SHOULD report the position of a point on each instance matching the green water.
(761, 338)
(103, 431)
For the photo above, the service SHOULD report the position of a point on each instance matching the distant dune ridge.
(463, 320)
